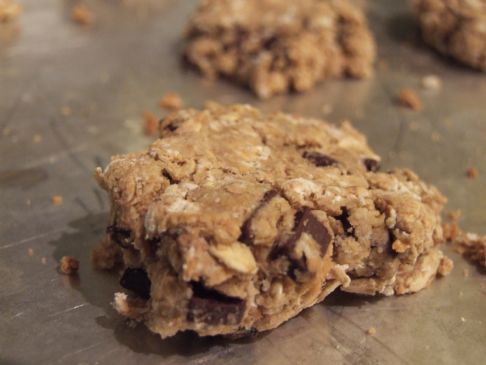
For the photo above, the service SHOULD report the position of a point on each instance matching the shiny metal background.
(108, 74)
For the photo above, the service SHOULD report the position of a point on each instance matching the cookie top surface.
(211, 169)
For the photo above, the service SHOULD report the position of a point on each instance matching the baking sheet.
(111, 72)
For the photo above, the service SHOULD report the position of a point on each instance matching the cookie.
(234, 221)
(277, 46)
(455, 28)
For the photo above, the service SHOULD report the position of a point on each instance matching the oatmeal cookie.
(455, 28)
(234, 221)
(277, 46)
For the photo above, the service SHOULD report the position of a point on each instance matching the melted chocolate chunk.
(212, 307)
(137, 281)
(371, 164)
(246, 236)
(122, 237)
(305, 222)
(344, 219)
(319, 159)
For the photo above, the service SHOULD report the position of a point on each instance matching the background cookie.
(456, 28)
(259, 217)
(276, 46)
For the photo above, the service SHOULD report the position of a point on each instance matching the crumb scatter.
(68, 265)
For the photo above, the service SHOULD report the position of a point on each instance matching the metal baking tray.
(72, 96)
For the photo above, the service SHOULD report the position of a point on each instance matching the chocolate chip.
(305, 222)
(212, 307)
(319, 159)
(121, 236)
(344, 219)
(137, 281)
(246, 235)
(371, 164)
(168, 176)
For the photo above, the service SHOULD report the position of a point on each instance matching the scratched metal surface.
(111, 72)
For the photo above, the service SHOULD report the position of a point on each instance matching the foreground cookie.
(235, 221)
(275, 46)
(456, 28)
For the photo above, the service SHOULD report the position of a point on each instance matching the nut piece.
(409, 99)
(236, 256)
(68, 265)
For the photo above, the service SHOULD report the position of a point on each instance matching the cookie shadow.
(97, 288)
(403, 29)
(339, 298)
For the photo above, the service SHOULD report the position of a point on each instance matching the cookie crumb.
(465, 272)
(451, 231)
(435, 136)
(371, 331)
(463, 320)
(171, 101)
(472, 172)
(431, 82)
(68, 265)
(150, 124)
(409, 99)
(66, 111)
(30, 251)
(445, 267)
(37, 138)
(44, 260)
(9, 10)
(82, 15)
(57, 199)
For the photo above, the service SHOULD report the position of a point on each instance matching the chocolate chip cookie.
(455, 28)
(277, 46)
(234, 221)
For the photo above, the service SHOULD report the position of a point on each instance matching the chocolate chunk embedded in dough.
(137, 281)
(211, 307)
(371, 164)
(319, 159)
(121, 236)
